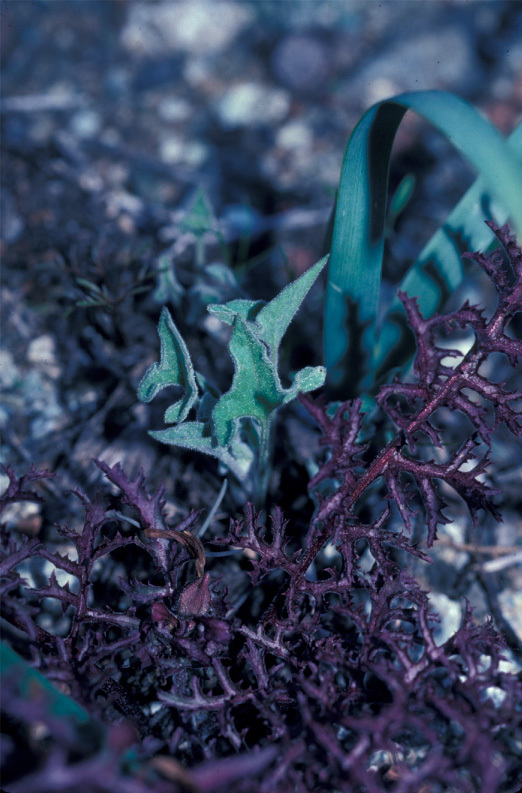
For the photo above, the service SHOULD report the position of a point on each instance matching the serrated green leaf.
(357, 246)
(175, 368)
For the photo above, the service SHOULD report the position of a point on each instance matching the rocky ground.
(114, 114)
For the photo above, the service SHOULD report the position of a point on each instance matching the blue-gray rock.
(250, 104)
(301, 63)
(442, 59)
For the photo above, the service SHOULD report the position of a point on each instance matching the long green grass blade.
(439, 264)
(354, 278)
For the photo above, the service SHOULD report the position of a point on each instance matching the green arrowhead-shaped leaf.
(256, 389)
(175, 368)
(200, 217)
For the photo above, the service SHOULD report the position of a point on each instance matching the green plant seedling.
(211, 283)
(200, 221)
(236, 427)
(168, 288)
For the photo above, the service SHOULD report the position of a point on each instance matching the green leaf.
(89, 303)
(175, 368)
(401, 198)
(200, 218)
(168, 288)
(191, 435)
(466, 221)
(31, 685)
(271, 320)
(89, 285)
(246, 309)
(357, 246)
(235, 426)
(223, 275)
(308, 379)
(215, 284)
(256, 389)
(276, 316)
(138, 290)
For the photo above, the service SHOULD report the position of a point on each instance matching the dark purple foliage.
(290, 666)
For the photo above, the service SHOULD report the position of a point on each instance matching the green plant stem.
(264, 461)
(200, 252)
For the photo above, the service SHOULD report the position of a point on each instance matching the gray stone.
(301, 63)
(86, 124)
(511, 605)
(174, 109)
(197, 27)
(176, 150)
(248, 104)
(9, 373)
(450, 613)
(42, 352)
(442, 59)
(13, 223)
(295, 136)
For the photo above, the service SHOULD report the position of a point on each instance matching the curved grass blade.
(438, 267)
(354, 278)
